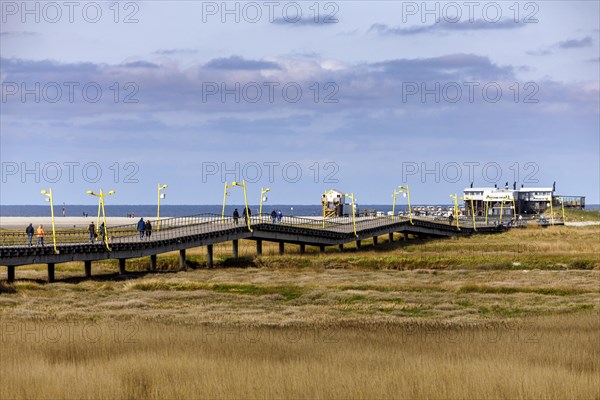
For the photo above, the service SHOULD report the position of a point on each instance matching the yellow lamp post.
(510, 199)
(49, 198)
(351, 195)
(263, 191)
(551, 210)
(406, 192)
(465, 198)
(455, 212)
(562, 206)
(225, 194)
(101, 197)
(394, 195)
(160, 196)
(487, 207)
(243, 185)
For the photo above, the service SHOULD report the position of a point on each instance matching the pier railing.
(177, 227)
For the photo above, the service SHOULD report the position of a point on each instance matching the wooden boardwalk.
(181, 233)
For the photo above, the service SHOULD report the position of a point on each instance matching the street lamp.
(243, 185)
(101, 197)
(263, 191)
(562, 205)
(472, 210)
(455, 212)
(551, 209)
(502, 200)
(49, 198)
(487, 201)
(225, 194)
(406, 193)
(353, 211)
(160, 196)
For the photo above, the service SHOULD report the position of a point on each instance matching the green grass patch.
(511, 290)
(289, 292)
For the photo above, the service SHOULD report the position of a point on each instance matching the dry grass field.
(513, 315)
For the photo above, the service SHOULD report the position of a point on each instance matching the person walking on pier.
(450, 219)
(103, 232)
(236, 216)
(40, 235)
(247, 213)
(273, 216)
(29, 231)
(148, 229)
(141, 227)
(92, 231)
(279, 216)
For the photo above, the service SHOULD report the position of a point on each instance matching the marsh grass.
(551, 357)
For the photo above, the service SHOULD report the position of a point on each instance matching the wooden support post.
(182, 260)
(374, 240)
(259, 247)
(153, 262)
(87, 265)
(302, 248)
(235, 248)
(391, 235)
(209, 256)
(341, 247)
(405, 236)
(11, 273)
(322, 248)
(358, 244)
(50, 272)
(281, 247)
(122, 266)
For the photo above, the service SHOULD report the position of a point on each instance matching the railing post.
(235, 248)
(182, 260)
(259, 247)
(50, 272)
(87, 265)
(209, 256)
(122, 266)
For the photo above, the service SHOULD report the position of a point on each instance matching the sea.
(149, 210)
(73, 210)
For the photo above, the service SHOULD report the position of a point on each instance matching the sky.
(300, 97)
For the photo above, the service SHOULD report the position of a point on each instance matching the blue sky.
(297, 96)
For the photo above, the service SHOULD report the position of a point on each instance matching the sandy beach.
(61, 222)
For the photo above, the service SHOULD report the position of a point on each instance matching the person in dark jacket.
(92, 231)
(102, 230)
(141, 227)
(236, 216)
(273, 216)
(29, 231)
(148, 229)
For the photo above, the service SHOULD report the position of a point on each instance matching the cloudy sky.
(297, 96)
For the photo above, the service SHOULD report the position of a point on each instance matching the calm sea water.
(165, 211)
(181, 210)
